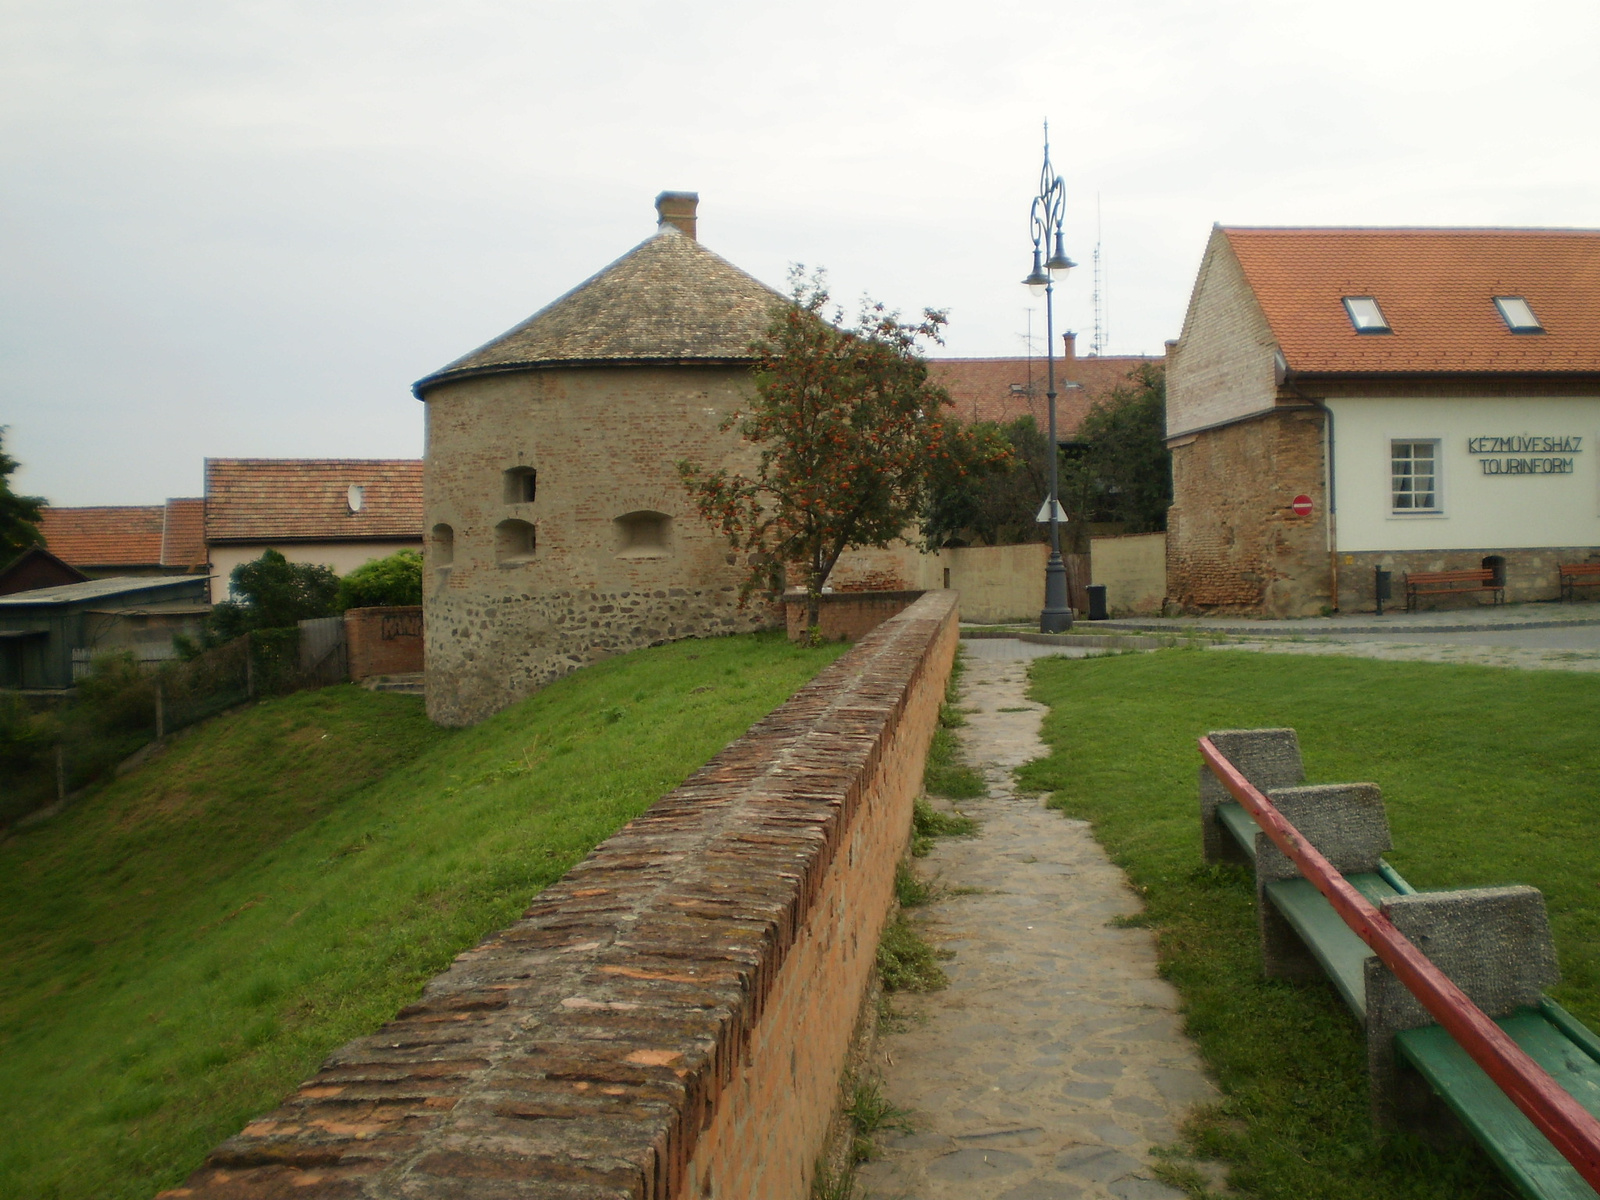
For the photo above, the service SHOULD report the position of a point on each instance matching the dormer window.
(1365, 315)
(1517, 315)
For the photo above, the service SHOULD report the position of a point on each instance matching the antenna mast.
(1097, 344)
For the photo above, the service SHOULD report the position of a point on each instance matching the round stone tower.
(557, 530)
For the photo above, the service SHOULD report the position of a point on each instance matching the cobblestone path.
(1056, 1059)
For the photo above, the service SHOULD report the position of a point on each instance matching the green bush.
(274, 594)
(384, 582)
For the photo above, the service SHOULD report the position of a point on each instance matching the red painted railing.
(1569, 1126)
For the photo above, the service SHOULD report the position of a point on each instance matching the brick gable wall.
(1221, 369)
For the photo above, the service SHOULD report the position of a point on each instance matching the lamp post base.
(1057, 614)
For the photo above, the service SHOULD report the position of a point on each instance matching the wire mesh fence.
(51, 748)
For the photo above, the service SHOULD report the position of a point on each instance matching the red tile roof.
(143, 535)
(119, 536)
(308, 499)
(1003, 389)
(183, 534)
(1436, 288)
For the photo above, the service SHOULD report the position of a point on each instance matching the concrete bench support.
(1346, 822)
(1495, 945)
(1269, 758)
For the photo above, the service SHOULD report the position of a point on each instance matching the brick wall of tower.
(1234, 542)
(604, 444)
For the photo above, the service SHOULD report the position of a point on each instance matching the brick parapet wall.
(846, 616)
(670, 1018)
(383, 641)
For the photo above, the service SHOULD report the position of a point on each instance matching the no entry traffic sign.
(1302, 506)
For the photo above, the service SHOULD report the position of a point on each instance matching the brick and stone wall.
(846, 616)
(1234, 543)
(668, 1020)
(383, 641)
(603, 444)
(1529, 574)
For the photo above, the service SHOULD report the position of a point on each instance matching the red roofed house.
(339, 512)
(1003, 389)
(121, 540)
(1431, 397)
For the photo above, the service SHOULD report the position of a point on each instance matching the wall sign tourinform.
(1525, 444)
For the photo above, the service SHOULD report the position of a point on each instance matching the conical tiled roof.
(669, 299)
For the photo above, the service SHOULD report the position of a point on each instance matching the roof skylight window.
(1518, 316)
(1365, 315)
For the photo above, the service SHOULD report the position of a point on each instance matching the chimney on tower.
(677, 209)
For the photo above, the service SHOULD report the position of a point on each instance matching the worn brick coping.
(579, 1052)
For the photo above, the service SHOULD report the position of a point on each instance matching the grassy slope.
(1489, 778)
(188, 944)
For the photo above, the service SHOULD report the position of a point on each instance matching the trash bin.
(1097, 602)
(1382, 587)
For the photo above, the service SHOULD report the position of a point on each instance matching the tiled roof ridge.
(81, 508)
(1432, 230)
(1038, 358)
(183, 537)
(305, 499)
(611, 320)
(1435, 287)
(104, 535)
(319, 461)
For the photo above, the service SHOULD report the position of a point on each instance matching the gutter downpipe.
(1331, 522)
(1333, 513)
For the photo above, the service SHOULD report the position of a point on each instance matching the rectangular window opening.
(1414, 476)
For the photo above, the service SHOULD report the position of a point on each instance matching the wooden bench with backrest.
(1439, 583)
(1493, 942)
(1576, 575)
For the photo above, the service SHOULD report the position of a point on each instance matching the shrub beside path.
(1055, 1061)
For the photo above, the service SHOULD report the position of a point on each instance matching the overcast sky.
(243, 229)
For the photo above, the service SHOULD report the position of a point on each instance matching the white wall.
(1479, 511)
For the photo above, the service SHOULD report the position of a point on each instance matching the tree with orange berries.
(850, 430)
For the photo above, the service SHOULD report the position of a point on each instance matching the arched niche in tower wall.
(643, 533)
(514, 542)
(442, 541)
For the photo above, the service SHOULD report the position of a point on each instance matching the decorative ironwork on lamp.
(1046, 218)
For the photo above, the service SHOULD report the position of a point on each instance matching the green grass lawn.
(1489, 776)
(186, 945)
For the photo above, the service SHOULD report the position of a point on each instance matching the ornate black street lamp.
(1049, 208)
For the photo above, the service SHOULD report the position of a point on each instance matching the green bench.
(1409, 1058)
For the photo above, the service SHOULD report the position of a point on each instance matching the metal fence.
(51, 748)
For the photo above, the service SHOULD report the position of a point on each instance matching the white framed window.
(1414, 476)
